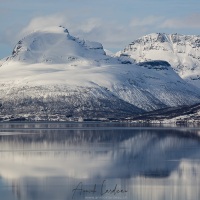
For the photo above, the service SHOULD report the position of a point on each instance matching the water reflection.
(45, 163)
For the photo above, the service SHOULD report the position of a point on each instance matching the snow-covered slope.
(54, 46)
(109, 53)
(178, 115)
(53, 74)
(181, 51)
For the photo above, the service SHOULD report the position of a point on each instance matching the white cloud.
(112, 34)
(90, 25)
(41, 22)
(147, 21)
(191, 21)
(82, 26)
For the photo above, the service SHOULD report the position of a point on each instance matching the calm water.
(98, 161)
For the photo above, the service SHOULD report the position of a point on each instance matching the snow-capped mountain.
(52, 74)
(55, 46)
(181, 51)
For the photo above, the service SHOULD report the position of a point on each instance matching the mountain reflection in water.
(47, 161)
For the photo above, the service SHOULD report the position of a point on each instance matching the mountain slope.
(181, 51)
(52, 74)
(179, 115)
(54, 45)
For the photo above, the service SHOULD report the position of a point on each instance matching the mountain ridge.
(181, 51)
(53, 75)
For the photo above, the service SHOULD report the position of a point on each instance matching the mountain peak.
(171, 38)
(54, 45)
(181, 51)
(65, 30)
(52, 29)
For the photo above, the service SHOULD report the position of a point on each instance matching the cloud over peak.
(191, 21)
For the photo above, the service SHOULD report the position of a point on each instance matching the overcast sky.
(114, 23)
